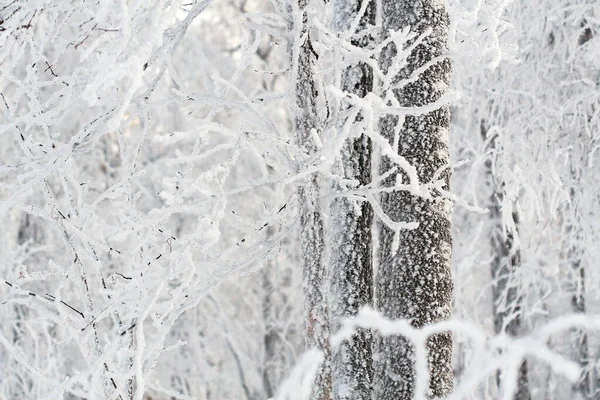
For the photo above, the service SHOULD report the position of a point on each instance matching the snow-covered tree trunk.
(585, 386)
(415, 282)
(311, 219)
(581, 348)
(506, 259)
(350, 261)
(575, 255)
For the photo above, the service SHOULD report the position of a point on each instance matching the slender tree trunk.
(581, 353)
(580, 348)
(311, 219)
(275, 314)
(351, 276)
(415, 283)
(507, 302)
(29, 234)
(585, 385)
(505, 263)
(271, 338)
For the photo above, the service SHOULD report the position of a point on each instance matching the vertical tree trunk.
(311, 219)
(272, 336)
(29, 235)
(275, 313)
(505, 262)
(415, 282)
(582, 353)
(351, 276)
(580, 348)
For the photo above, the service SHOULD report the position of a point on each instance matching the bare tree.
(308, 123)
(350, 261)
(415, 282)
(506, 260)
(575, 255)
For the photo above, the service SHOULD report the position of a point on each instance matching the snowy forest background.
(157, 172)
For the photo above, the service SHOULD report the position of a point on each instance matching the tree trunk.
(29, 235)
(505, 263)
(581, 353)
(276, 313)
(585, 385)
(580, 348)
(415, 283)
(311, 219)
(351, 276)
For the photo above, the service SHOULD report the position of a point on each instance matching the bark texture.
(311, 219)
(350, 261)
(415, 282)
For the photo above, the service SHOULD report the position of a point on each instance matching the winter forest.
(299, 199)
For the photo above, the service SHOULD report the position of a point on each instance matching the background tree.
(148, 188)
(506, 260)
(532, 122)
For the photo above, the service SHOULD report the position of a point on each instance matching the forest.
(299, 199)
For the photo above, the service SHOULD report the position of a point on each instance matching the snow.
(299, 200)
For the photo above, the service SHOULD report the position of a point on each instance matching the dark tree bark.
(350, 244)
(311, 219)
(415, 283)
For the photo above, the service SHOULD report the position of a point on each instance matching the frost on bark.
(415, 282)
(506, 260)
(311, 219)
(584, 387)
(350, 261)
